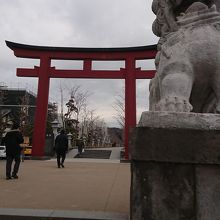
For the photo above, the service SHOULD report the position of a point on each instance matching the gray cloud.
(75, 23)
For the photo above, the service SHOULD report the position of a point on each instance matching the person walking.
(61, 147)
(12, 140)
(80, 145)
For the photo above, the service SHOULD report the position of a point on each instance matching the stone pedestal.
(175, 164)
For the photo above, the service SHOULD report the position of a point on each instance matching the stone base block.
(176, 167)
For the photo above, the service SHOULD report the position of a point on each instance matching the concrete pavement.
(86, 185)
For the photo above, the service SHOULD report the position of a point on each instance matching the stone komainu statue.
(188, 58)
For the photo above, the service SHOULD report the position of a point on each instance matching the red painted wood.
(87, 65)
(145, 74)
(99, 74)
(138, 55)
(22, 72)
(41, 110)
(130, 102)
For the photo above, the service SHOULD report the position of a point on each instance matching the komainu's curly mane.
(167, 12)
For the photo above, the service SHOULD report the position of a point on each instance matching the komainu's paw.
(174, 104)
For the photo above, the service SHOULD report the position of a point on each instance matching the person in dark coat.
(12, 140)
(80, 145)
(61, 147)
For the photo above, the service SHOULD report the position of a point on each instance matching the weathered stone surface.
(174, 191)
(217, 3)
(176, 145)
(208, 192)
(177, 137)
(162, 191)
(180, 120)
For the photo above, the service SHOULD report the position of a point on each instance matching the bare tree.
(81, 100)
(26, 126)
(51, 116)
(24, 100)
(3, 119)
(61, 104)
(84, 121)
(87, 124)
(100, 132)
(91, 126)
(119, 107)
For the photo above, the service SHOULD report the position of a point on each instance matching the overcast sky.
(76, 23)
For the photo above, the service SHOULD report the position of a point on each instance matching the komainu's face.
(168, 11)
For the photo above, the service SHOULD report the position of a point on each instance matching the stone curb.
(39, 214)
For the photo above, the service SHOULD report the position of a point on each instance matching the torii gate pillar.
(40, 119)
(130, 102)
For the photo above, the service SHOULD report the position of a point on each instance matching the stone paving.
(83, 185)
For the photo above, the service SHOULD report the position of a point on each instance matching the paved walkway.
(83, 185)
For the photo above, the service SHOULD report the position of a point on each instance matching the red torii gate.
(44, 72)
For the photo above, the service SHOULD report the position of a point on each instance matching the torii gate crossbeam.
(44, 72)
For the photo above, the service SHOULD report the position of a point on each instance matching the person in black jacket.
(12, 140)
(80, 145)
(61, 147)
